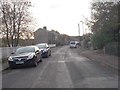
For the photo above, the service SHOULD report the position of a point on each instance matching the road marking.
(61, 61)
(64, 54)
(70, 53)
(63, 78)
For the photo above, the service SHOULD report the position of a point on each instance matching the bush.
(100, 40)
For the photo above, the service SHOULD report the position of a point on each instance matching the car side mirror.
(48, 47)
(37, 51)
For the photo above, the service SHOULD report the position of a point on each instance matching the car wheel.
(47, 55)
(41, 59)
(35, 62)
(50, 53)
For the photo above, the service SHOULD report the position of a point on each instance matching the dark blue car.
(45, 49)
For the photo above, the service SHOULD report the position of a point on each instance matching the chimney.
(45, 27)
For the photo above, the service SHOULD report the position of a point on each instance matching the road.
(64, 69)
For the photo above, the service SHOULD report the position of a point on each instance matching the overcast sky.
(60, 15)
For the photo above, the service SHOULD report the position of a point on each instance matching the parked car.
(73, 44)
(28, 55)
(45, 49)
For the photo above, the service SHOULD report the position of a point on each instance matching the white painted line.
(63, 78)
(61, 61)
(70, 53)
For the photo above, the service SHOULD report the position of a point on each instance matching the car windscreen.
(41, 46)
(25, 50)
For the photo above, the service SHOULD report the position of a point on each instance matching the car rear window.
(41, 46)
(72, 42)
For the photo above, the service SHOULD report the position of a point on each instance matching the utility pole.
(82, 27)
(79, 33)
(78, 29)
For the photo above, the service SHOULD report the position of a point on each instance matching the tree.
(104, 23)
(15, 17)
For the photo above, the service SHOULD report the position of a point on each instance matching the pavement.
(98, 55)
(66, 68)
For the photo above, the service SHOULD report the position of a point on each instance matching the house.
(42, 35)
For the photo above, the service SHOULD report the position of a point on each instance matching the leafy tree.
(104, 23)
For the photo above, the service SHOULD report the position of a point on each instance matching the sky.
(60, 15)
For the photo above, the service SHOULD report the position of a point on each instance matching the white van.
(73, 44)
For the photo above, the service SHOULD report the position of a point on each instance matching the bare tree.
(15, 17)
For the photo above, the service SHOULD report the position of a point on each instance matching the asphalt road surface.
(64, 69)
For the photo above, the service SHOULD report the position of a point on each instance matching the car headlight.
(10, 59)
(30, 56)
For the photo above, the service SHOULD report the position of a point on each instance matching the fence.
(112, 49)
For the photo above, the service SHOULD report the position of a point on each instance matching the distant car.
(45, 49)
(73, 44)
(24, 56)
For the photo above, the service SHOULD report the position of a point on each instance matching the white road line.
(63, 78)
(61, 61)
(70, 53)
